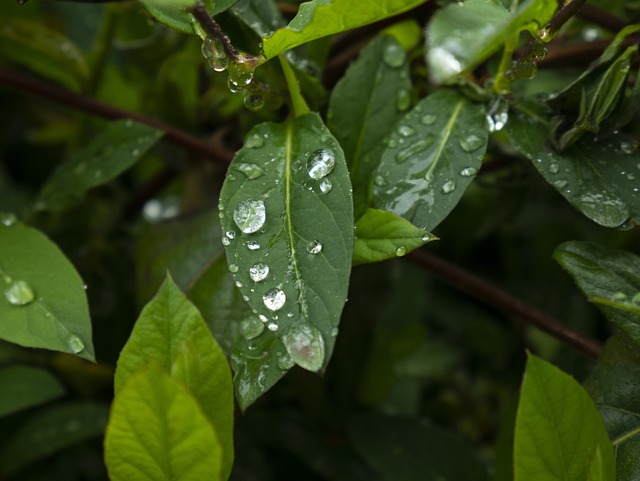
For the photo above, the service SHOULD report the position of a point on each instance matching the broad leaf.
(381, 235)
(158, 431)
(604, 273)
(261, 16)
(171, 332)
(116, 149)
(175, 13)
(597, 178)
(431, 157)
(319, 18)
(48, 432)
(362, 111)
(403, 449)
(44, 303)
(288, 226)
(23, 387)
(559, 430)
(615, 388)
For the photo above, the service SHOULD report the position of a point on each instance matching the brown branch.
(100, 109)
(213, 29)
(602, 18)
(578, 54)
(503, 301)
(563, 15)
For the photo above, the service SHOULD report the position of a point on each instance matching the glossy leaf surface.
(174, 15)
(157, 431)
(362, 111)
(599, 179)
(431, 157)
(261, 16)
(559, 430)
(288, 231)
(116, 149)
(23, 387)
(319, 18)
(43, 304)
(604, 273)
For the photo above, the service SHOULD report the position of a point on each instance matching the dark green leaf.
(44, 303)
(362, 111)
(430, 159)
(174, 13)
(157, 431)
(558, 428)
(50, 431)
(598, 178)
(403, 449)
(319, 18)
(606, 274)
(116, 149)
(23, 387)
(381, 235)
(289, 231)
(171, 332)
(261, 16)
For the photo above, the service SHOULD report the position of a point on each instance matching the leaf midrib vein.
(445, 138)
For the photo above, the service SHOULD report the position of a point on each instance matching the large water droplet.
(253, 101)
(443, 63)
(448, 187)
(274, 299)
(401, 251)
(254, 142)
(305, 345)
(394, 55)
(415, 148)
(405, 130)
(8, 219)
(241, 72)
(325, 185)
(428, 119)
(75, 344)
(314, 247)
(468, 172)
(19, 293)
(252, 171)
(471, 143)
(321, 163)
(251, 328)
(250, 215)
(259, 272)
(213, 51)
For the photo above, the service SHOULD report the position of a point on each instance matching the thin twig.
(562, 16)
(503, 301)
(92, 106)
(602, 18)
(212, 28)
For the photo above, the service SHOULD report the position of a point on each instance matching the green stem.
(502, 84)
(298, 102)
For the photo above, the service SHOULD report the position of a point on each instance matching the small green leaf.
(289, 233)
(43, 301)
(381, 235)
(362, 111)
(175, 13)
(115, 150)
(558, 428)
(23, 387)
(171, 332)
(603, 273)
(431, 157)
(157, 431)
(48, 432)
(319, 18)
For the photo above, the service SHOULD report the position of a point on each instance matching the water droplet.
(253, 101)
(325, 185)
(305, 345)
(314, 247)
(538, 50)
(448, 187)
(75, 344)
(619, 297)
(629, 147)
(468, 172)
(252, 245)
(251, 328)
(241, 72)
(19, 293)
(525, 70)
(321, 163)
(545, 34)
(428, 237)
(233, 268)
(263, 318)
(394, 55)
(230, 234)
(252, 171)
(225, 241)
(238, 284)
(379, 181)
(443, 64)
(258, 272)
(498, 114)
(219, 64)
(255, 141)
(334, 332)
(285, 362)
(554, 168)
(401, 251)
(428, 119)
(8, 219)
(631, 176)
(274, 299)
(406, 131)
(471, 143)
(272, 326)
(415, 148)
(249, 215)
(404, 100)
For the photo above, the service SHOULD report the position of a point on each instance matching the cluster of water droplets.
(498, 114)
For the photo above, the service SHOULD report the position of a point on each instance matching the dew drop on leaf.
(274, 299)
(254, 142)
(285, 362)
(325, 185)
(8, 219)
(400, 251)
(272, 326)
(253, 245)
(394, 55)
(629, 147)
(404, 100)
(619, 297)
(75, 344)
(258, 272)
(321, 163)
(251, 328)
(230, 234)
(448, 187)
(225, 241)
(314, 247)
(249, 215)
(305, 345)
(406, 131)
(415, 148)
(233, 268)
(428, 119)
(19, 293)
(471, 143)
(554, 168)
(252, 171)
(468, 171)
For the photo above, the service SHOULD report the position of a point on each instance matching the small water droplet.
(252, 171)
(321, 163)
(379, 181)
(8, 219)
(554, 167)
(272, 326)
(252, 245)
(325, 185)
(545, 34)
(19, 293)
(238, 284)
(334, 332)
(225, 241)
(255, 141)
(253, 101)
(428, 119)
(258, 272)
(285, 362)
(274, 299)
(251, 328)
(263, 318)
(448, 187)
(249, 215)
(233, 268)
(631, 176)
(230, 234)
(471, 143)
(415, 148)
(404, 100)
(75, 344)
(468, 172)
(394, 55)
(406, 131)
(619, 297)
(314, 247)
(498, 114)
(629, 147)
(401, 251)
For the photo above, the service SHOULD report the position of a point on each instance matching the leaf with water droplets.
(596, 176)
(361, 113)
(174, 13)
(284, 283)
(320, 18)
(112, 152)
(379, 235)
(421, 176)
(604, 273)
(43, 302)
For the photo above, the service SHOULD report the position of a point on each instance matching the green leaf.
(381, 235)
(615, 388)
(44, 304)
(597, 178)
(319, 18)
(461, 35)
(558, 428)
(171, 332)
(403, 449)
(175, 14)
(431, 158)
(289, 232)
(261, 16)
(115, 150)
(158, 431)
(44, 51)
(23, 387)
(48, 432)
(361, 114)
(605, 273)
